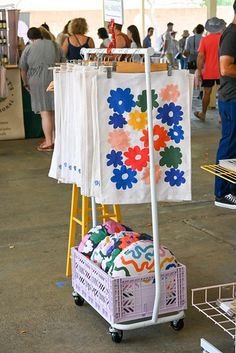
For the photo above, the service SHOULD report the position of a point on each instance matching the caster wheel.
(117, 336)
(78, 299)
(177, 325)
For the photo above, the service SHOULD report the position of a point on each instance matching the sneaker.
(227, 201)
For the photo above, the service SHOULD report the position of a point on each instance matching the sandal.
(200, 116)
(43, 148)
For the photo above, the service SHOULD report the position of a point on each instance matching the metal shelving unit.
(8, 34)
(221, 172)
(206, 299)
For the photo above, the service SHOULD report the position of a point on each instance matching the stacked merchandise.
(102, 134)
(121, 252)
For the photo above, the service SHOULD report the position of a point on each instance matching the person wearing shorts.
(207, 62)
(225, 192)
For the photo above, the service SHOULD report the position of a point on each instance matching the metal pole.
(143, 18)
(153, 190)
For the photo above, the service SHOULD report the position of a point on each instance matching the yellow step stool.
(85, 212)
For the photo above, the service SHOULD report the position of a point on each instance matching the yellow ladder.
(85, 211)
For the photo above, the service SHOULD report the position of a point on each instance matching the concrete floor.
(38, 314)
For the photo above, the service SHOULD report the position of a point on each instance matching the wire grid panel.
(128, 298)
(205, 300)
(221, 172)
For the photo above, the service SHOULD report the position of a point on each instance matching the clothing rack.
(174, 318)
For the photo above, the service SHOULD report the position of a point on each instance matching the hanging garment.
(121, 171)
(102, 135)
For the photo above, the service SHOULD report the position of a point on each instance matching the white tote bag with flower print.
(121, 165)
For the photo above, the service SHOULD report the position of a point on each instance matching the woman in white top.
(102, 34)
(133, 34)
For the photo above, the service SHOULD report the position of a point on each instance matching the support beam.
(142, 16)
(211, 8)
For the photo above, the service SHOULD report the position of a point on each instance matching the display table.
(11, 109)
(17, 121)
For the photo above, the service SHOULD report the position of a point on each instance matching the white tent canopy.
(52, 5)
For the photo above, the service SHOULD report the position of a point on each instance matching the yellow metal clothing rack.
(221, 172)
(84, 213)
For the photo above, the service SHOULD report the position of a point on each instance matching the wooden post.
(211, 8)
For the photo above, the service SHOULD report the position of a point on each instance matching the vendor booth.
(17, 121)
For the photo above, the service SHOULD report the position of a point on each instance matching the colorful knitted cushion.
(105, 247)
(117, 243)
(97, 234)
(138, 259)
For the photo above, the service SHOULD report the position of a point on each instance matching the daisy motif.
(88, 247)
(119, 140)
(175, 177)
(95, 229)
(146, 175)
(124, 178)
(137, 158)
(121, 100)
(170, 93)
(160, 137)
(138, 120)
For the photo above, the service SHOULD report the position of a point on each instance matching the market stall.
(17, 121)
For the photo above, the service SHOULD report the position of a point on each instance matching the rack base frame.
(205, 300)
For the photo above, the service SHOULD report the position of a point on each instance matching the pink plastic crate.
(127, 298)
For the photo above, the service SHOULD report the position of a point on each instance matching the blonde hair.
(78, 26)
(45, 33)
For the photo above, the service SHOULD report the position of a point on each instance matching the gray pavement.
(37, 312)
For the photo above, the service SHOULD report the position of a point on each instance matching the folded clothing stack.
(120, 252)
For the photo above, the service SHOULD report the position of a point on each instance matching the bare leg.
(205, 103)
(206, 99)
(48, 126)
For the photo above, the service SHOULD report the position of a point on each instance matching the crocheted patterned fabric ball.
(120, 242)
(97, 234)
(138, 259)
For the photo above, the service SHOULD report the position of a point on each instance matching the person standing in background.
(63, 35)
(46, 26)
(167, 43)
(102, 34)
(35, 60)
(174, 50)
(72, 46)
(147, 43)
(191, 46)
(133, 34)
(225, 192)
(122, 40)
(182, 43)
(46, 34)
(208, 62)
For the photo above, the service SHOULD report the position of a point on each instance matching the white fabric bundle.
(102, 134)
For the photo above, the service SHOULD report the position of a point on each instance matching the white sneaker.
(227, 201)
